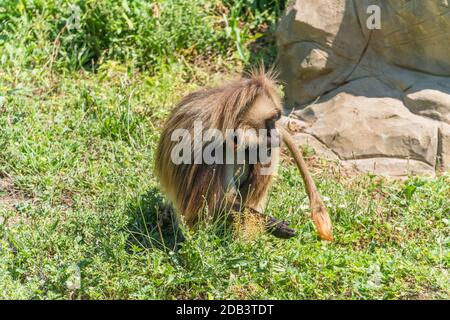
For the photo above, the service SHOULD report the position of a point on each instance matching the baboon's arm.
(275, 227)
(319, 213)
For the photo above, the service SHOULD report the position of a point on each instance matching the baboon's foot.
(279, 228)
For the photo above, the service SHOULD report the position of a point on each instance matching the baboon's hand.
(279, 229)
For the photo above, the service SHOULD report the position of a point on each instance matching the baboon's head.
(256, 121)
(262, 113)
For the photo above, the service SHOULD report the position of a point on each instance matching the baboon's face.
(261, 115)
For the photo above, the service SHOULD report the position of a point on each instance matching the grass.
(79, 201)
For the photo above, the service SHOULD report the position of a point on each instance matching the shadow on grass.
(153, 224)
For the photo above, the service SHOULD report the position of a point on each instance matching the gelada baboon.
(249, 105)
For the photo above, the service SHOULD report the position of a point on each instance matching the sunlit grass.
(82, 216)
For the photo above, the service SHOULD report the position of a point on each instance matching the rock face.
(377, 98)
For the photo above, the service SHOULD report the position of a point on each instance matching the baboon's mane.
(221, 107)
(191, 186)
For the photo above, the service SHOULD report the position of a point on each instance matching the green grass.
(79, 201)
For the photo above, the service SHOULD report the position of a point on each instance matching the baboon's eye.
(277, 116)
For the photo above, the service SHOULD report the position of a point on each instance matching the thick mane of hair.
(190, 186)
(220, 107)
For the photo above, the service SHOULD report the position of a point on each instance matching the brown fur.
(191, 187)
(241, 104)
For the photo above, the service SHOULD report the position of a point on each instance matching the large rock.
(444, 146)
(371, 96)
(430, 100)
